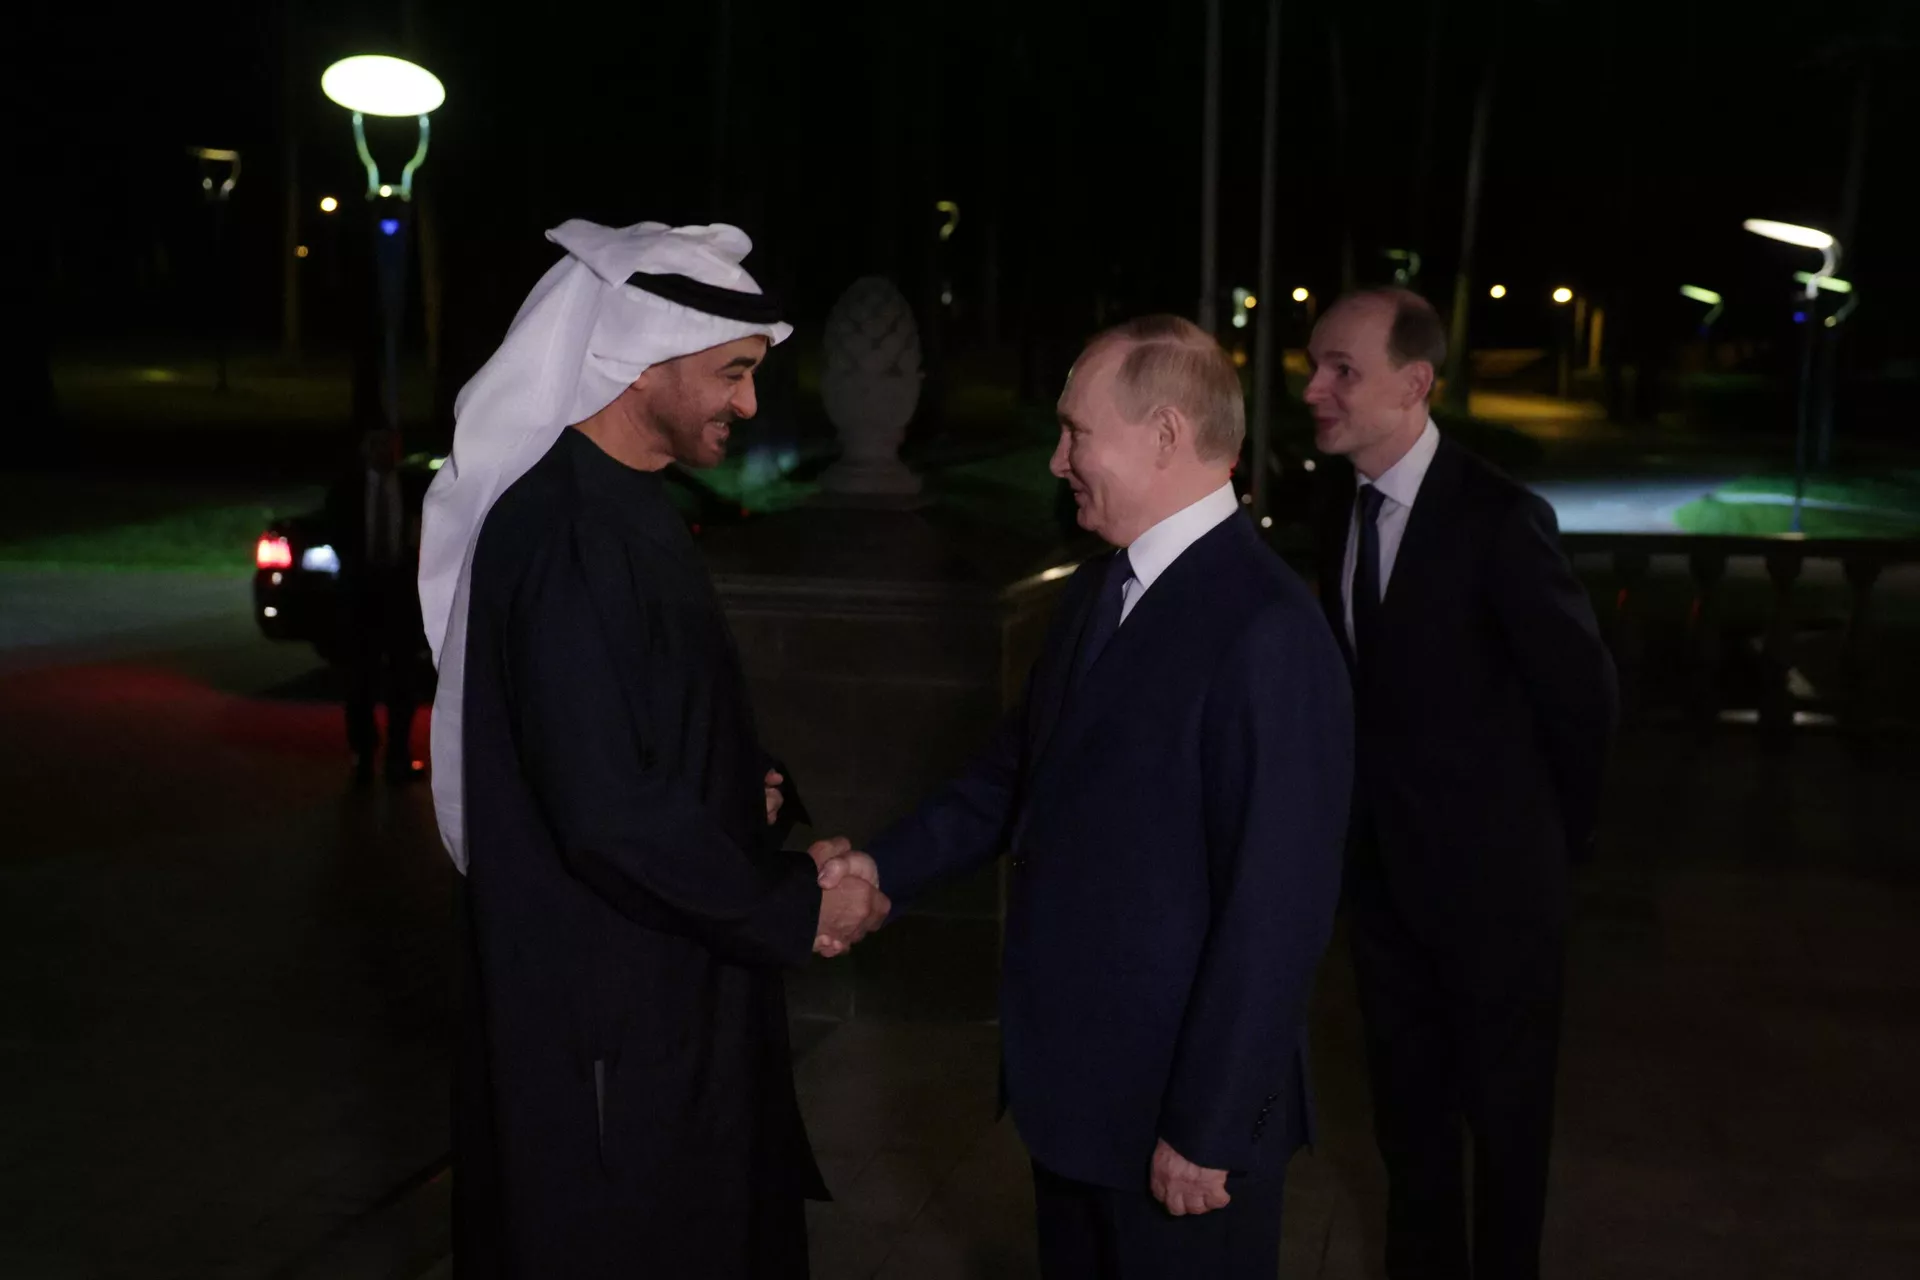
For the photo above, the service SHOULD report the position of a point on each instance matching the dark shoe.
(408, 771)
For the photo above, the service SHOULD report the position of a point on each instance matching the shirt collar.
(1160, 546)
(1401, 481)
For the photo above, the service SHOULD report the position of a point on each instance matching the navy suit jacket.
(1175, 827)
(1485, 714)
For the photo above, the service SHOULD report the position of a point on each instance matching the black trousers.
(1090, 1232)
(1462, 1038)
(378, 650)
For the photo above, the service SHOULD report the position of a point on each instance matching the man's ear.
(1419, 375)
(1169, 427)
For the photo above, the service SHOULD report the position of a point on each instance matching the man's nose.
(1316, 392)
(744, 402)
(1057, 464)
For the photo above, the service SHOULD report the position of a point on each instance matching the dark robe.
(624, 1100)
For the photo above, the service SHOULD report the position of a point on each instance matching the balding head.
(1375, 356)
(1151, 421)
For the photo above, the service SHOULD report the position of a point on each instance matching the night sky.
(1627, 142)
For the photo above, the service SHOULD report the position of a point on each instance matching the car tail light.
(273, 553)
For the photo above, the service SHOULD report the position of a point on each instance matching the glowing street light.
(217, 194)
(1712, 300)
(328, 204)
(1829, 249)
(377, 85)
(1498, 291)
(1832, 284)
(1249, 302)
(371, 84)
(1301, 294)
(1562, 296)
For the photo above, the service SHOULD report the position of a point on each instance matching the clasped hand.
(851, 904)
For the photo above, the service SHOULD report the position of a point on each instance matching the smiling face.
(1365, 407)
(1111, 463)
(690, 404)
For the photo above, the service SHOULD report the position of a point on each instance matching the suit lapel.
(1335, 525)
(1153, 627)
(1426, 528)
(1053, 680)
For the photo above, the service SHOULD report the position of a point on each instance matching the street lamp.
(377, 85)
(1498, 291)
(1562, 296)
(1712, 300)
(217, 193)
(1829, 249)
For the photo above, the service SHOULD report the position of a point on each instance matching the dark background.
(1628, 140)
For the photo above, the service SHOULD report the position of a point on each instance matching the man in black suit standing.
(1172, 793)
(373, 512)
(1484, 701)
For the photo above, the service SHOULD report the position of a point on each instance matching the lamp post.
(1566, 336)
(1829, 248)
(216, 194)
(376, 85)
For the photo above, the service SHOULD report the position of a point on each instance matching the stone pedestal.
(881, 647)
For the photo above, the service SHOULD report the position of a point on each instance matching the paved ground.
(225, 977)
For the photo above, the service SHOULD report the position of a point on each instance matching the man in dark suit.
(373, 514)
(1172, 792)
(1484, 701)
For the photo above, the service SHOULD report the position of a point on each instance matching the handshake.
(851, 904)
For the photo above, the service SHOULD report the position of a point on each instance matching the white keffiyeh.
(582, 337)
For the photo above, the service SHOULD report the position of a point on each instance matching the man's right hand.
(837, 858)
(850, 909)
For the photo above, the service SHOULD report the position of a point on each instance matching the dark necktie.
(1106, 614)
(1366, 570)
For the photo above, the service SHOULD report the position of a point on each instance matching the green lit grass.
(1882, 506)
(205, 540)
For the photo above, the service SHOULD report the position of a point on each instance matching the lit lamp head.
(372, 84)
(1805, 238)
(1712, 300)
(1562, 296)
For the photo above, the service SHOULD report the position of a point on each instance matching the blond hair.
(1171, 362)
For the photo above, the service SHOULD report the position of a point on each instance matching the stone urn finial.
(871, 387)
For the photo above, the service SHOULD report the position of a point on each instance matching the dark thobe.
(624, 1101)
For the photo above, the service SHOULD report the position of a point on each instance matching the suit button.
(1018, 861)
(1272, 1096)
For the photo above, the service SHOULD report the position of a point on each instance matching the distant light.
(320, 559)
(1832, 321)
(1056, 573)
(299, 251)
(1799, 317)
(269, 612)
(389, 226)
(946, 297)
(376, 85)
(1832, 284)
(1308, 465)
(1266, 522)
(1301, 294)
(952, 211)
(1563, 295)
(434, 464)
(1698, 294)
(1239, 358)
(206, 184)
(277, 577)
(328, 204)
(1805, 237)
(385, 192)
(1239, 319)
(1250, 302)
(273, 553)
(1246, 499)
(1498, 291)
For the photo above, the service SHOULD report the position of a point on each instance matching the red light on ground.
(273, 553)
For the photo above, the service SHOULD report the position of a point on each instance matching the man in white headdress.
(624, 1103)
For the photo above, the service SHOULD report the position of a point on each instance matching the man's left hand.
(1185, 1187)
(774, 798)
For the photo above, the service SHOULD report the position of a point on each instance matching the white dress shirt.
(1399, 485)
(1160, 546)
